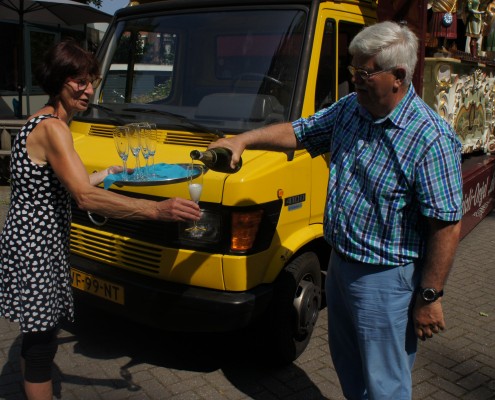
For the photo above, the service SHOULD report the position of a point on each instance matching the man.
(392, 216)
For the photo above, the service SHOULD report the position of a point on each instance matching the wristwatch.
(429, 295)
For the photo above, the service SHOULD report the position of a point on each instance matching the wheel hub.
(306, 304)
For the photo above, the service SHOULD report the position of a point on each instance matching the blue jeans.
(370, 330)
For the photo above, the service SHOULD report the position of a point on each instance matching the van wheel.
(294, 309)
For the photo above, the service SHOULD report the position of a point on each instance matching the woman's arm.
(55, 139)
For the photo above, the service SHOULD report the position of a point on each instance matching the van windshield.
(231, 70)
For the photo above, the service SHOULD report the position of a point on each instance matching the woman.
(46, 172)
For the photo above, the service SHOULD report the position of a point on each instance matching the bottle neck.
(207, 155)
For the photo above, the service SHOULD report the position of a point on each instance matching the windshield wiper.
(179, 118)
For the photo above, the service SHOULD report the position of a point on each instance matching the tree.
(97, 3)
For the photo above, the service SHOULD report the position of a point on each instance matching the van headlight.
(209, 229)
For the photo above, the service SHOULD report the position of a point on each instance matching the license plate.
(99, 287)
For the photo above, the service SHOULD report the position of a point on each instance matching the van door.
(328, 78)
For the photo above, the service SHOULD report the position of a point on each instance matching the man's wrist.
(429, 294)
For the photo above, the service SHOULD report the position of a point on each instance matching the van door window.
(333, 81)
(325, 81)
(347, 31)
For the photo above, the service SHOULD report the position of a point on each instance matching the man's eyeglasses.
(83, 83)
(365, 75)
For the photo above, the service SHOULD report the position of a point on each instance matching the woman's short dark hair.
(64, 60)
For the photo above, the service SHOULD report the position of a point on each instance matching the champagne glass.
(145, 132)
(195, 189)
(152, 141)
(121, 139)
(135, 147)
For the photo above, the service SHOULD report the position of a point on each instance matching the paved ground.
(104, 358)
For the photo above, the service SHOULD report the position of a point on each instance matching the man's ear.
(400, 73)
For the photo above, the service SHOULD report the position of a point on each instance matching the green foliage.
(160, 92)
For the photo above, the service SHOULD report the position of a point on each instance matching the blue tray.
(166, 174)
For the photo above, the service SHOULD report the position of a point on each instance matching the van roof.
(163, 5)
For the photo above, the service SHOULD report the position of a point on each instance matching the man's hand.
(237, 147)
(428, 318)
(276, 137)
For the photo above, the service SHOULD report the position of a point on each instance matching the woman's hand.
(114, 169)
(97, 177)
(178, 209)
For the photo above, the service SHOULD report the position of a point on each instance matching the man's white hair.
(392, 44)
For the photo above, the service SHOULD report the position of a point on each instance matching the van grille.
(110, 249)
(132, 244)
(101, 130)
(195, 139)
(190, 139)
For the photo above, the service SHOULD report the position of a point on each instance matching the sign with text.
(478, 192)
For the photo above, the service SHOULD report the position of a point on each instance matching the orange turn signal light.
(244, 229)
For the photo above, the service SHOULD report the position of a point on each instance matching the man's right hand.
(234, 145)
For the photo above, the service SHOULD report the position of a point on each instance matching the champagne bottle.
(217, 159)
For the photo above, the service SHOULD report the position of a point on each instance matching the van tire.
(294, 309)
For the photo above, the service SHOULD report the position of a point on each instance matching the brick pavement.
(105, 358)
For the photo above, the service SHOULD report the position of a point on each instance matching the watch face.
(429, 294)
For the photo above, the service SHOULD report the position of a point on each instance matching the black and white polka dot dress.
(35, 285)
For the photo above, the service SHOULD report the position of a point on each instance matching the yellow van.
(217, 68)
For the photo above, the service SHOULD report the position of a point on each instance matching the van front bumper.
(172, 306)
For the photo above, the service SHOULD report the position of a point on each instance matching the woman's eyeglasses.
(83, 83)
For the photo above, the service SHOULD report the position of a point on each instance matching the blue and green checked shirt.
(385, 175)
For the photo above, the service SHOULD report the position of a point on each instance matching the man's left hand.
(428, 318)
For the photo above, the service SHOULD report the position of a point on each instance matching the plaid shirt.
(385, 175)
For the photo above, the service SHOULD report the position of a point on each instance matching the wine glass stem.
(124, 161)
(196, 222)
(152, 157)
(138, 172)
